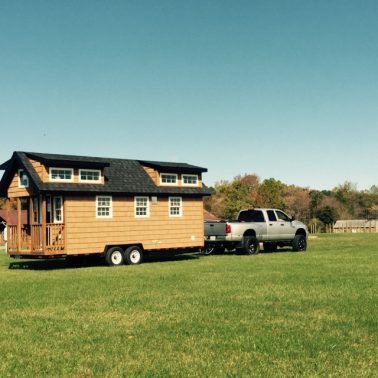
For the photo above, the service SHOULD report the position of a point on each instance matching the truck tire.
(250, 245)
(299, 243)
(270, 247)
(115, 256)
(134, 255)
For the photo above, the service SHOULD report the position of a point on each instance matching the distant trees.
(312, 206)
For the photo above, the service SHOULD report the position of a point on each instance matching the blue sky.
(285, 89)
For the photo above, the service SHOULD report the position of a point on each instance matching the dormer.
(174, 174)
(63, 169)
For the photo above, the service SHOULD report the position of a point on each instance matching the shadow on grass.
(94, 261)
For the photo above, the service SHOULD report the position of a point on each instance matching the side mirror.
(293, 218)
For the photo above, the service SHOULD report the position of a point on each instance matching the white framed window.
(23, 179)
(168, 178)
(104, 207)
(90, 175)
(142, 207)
(175, 206)
(58, 209)
(61, 174)
(190, 180)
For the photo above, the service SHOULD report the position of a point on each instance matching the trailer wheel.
(250, 245)
(115, 256)
(134, 255)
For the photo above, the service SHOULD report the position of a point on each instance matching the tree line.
(319, 207)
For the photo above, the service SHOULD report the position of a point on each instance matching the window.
(190, 180)
(23, 179)
(104, 206)
(61, 174)
(251, 216)
(142, 207)
(58, 209)
(271, 216)
(168, 178)
(282, 216)
(91, 175)
(175, 206)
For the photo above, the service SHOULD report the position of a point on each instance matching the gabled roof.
(122, 176)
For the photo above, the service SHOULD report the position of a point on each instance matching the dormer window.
(23, 179)
(61, 174)
(90, 175)
(190, 180)
(168, 178)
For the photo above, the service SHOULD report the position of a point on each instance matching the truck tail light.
(228, 229)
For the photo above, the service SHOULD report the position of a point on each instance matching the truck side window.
(282, 216)
(251, 216)
(271, 216)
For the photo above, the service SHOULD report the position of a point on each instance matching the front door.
(279, 226)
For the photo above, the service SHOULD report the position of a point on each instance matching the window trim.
(62, 169)
(168, 183)
(110, 207)
(20, 185)
(90, 170)
(147, 207)
(189, 175)
(54, 219)
(170, 207)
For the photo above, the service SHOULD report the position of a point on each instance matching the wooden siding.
(41, 170)
(15, 191)
(88, 234)
(155, 176)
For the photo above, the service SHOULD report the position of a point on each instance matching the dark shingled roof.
(122, 176)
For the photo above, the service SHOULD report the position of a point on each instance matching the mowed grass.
(272, 315)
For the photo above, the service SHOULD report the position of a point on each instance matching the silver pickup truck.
(272, 227)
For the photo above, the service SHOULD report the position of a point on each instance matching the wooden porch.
(37, 237)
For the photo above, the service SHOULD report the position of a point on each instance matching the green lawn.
(272, 315)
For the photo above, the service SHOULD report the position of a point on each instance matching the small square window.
(23, 179)
(168, 178)
(175, 206)
(104, 207)
(190, 180)
(90, 175)
(61, 174)
(142, 207)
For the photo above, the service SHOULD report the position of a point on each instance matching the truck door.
(279, 226)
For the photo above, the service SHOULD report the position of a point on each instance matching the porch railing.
(34, 241)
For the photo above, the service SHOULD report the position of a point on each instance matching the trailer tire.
(250, 245)
(134, 255)
(299, 243)
(115, 256)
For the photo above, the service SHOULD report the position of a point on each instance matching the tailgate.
(215, 228)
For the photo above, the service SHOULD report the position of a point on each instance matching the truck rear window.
(251, 216)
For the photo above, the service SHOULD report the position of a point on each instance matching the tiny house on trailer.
(118, 208)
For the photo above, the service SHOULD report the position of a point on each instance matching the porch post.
(19, 224)
(44, 235)
(31, 222)
(10, 237)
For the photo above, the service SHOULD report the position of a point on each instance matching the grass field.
(271, 315)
